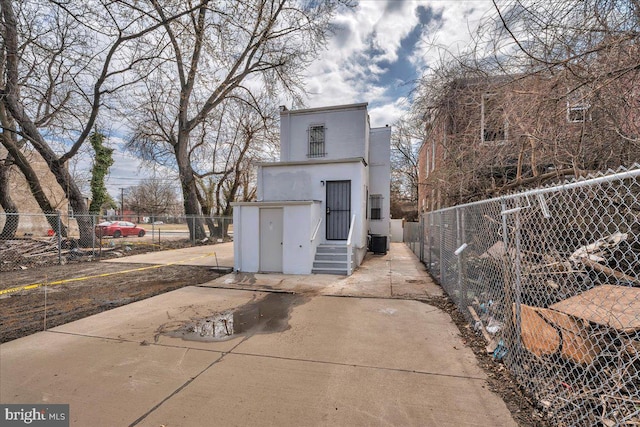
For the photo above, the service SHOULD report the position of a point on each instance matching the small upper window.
(316, 141)
(578, 113)
(375, 202)
(494, 125)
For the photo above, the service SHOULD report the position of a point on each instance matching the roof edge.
(327, 108)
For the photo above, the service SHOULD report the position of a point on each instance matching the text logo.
(39, 415)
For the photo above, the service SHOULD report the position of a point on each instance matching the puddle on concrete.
(267, 315)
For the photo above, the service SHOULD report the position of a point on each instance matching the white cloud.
(453, 34)
(351, 69)
(388, 113)
(365, 61)
(348, 71)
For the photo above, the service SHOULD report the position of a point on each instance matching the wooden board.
(577, 342)
(545, 332)
(538, 336)
(617, 307)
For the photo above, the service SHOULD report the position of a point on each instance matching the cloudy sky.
(377, 52)
(381, 47)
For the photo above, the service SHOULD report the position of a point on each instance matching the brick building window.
(578, 113)
(494, 126)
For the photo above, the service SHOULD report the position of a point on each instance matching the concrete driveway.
(338, 359)
(220, 254)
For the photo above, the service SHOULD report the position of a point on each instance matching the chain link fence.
(551, 278)
(29, 240)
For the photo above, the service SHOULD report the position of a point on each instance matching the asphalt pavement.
(325, 350)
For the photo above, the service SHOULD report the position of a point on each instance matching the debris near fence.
(550, 277)
(17, 253)
(23, 253)
(576, 315)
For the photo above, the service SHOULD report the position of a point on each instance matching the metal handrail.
(315, 232)
(349, 255)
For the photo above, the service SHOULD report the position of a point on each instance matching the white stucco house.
(318, 205)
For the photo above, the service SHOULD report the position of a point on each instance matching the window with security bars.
(578, 113)
(316, 141)
(375, 202)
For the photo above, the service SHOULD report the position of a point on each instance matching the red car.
(119, 229)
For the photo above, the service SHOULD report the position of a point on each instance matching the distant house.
(491, 135)
(318, 205)
(32, 221)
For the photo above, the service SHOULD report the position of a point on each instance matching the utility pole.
(122, 204)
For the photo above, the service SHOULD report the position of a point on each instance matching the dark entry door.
(338, 209)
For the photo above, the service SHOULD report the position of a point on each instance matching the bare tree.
(593, 44)
(405, 139)
(219, 51)
(245, 134)
(61, 61)
(254, 137)
(546, 91)
(152, 197)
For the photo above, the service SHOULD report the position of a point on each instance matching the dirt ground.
(29, 311)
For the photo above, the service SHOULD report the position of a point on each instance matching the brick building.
(488, 136)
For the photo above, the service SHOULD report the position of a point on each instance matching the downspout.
(260, 184)
(237, 237)
(289, 136)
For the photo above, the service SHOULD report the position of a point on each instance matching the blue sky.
(377, 52)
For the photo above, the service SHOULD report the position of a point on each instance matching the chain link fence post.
(430, 231)
(420, 238)
(441, 255)
(59, 233)
(94, 223)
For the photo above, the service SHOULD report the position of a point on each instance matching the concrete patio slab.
(374, 359)
(248, 390)
(370, 332)
(398, 274)
(106, 382)
(143, 321)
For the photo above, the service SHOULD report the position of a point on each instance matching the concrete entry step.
(329, 271)
(326, 249)
(330, 257)
(342, 264)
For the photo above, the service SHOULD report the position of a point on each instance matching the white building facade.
(317, 206)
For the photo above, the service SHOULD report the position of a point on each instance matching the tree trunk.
(30, 130)
(231, 197)
(71, 190)
(206, 212)
(189, 190)
(10, 209)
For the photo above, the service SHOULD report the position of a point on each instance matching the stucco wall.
(308, 182)
(246, 243)
(379, 176)
(298, 250)
(346, 132)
